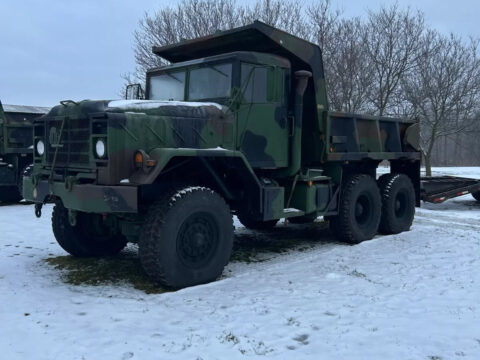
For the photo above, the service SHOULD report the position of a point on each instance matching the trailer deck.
(438, 189)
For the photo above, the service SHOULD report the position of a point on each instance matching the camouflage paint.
(261, 136)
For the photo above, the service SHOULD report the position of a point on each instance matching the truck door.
(263, 133)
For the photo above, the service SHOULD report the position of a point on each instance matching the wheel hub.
(197, 240)
(363, 212)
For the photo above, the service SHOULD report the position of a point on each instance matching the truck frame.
(239, 124)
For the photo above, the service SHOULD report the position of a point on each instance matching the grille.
(74, 143)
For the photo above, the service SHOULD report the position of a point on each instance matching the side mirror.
(134, 92)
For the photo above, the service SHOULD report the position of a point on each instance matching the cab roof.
(256, 37)
(250, 56)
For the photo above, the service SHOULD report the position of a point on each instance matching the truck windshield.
(211, 82)
(168, 86)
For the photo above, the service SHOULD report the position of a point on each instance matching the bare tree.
(322, 20)
(284, 14)
(195, 18)
(348, 71)
(444, 91)
(391, 37)
(189, 19)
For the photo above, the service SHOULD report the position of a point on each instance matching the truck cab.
(253, 86)
(16, 133)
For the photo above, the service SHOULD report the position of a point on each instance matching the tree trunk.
(428, 164)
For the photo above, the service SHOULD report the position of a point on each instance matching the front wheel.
(359, 210)
(187, 238)
(92, 236)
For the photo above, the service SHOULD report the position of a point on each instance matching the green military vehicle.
(16, 154)
(237, 124)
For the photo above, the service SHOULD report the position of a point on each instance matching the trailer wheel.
(359, 210)
(398, 203)
(187, 238)
(254, 224)
(476, 195)
(88, 238)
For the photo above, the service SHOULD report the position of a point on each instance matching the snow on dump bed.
(155, 104)
(290, 293)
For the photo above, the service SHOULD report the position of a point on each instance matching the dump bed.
(356, 137)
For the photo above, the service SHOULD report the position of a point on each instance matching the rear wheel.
(91, 236)
(187, 238)
(359, 210)
(398, 203)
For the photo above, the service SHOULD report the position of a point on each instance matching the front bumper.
(84, 197)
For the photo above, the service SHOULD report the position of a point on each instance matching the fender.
(163, 156)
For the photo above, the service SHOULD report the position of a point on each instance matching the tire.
(254, 224)
(476, 195)
(88, 238)
(26, 171)
(187, 238)
(398, 203)
(359, 210)
(9, 194)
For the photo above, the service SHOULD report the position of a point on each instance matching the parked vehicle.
(237, 124)
(16, 147)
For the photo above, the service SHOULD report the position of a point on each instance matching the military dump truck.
(237, 124)
(16, 134)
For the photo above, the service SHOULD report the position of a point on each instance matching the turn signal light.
(139, 159)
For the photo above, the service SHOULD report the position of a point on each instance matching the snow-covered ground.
(292, 293)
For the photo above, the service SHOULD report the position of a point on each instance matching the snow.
(293, 292)
(154, 104)
(290, 210)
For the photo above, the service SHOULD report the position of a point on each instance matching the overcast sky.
(51, 50)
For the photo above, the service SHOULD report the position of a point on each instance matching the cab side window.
(254, 83)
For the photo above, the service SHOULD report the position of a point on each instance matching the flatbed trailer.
(438, 189)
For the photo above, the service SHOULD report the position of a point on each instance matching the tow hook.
(38, 210)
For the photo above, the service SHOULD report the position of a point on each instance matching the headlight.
(40, 147)
(100, 148)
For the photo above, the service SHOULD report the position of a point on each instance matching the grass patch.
(125, 268)
(122, 268)
(257, 246)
